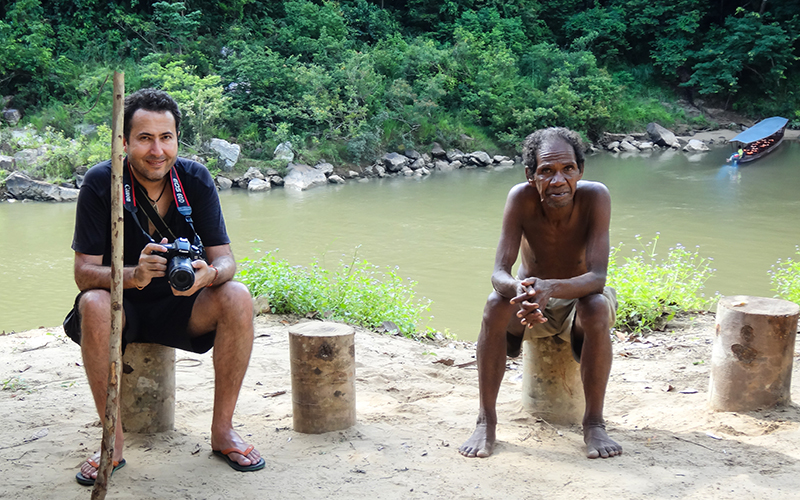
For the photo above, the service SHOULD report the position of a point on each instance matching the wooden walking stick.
(114, 355)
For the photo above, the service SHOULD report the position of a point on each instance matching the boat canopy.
(760, 130)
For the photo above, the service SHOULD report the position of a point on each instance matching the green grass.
(651, 290)
(356, 292)
(785, 278)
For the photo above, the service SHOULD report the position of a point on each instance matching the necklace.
(155, 202)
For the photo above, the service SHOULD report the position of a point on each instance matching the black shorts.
(163, 321)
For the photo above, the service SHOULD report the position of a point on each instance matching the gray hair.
(544, 136)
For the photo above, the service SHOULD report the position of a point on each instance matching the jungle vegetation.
(347, 80)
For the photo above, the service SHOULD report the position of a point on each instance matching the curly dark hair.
(149, 100)
(537, 139)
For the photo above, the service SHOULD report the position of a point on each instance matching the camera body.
(180, 255)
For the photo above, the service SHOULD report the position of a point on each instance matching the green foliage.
(356, 292)
(201, 99)
(63, 154)
(785, 278)
(744, 46)
(651, 291)
(27, 60)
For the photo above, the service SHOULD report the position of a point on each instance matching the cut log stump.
(551, 381)
(147, 395)
(323, 364)
(751, 358)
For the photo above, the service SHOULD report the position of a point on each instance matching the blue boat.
(759, 140)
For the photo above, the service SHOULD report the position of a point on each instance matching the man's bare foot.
(230, 439)
(598, 444)
(481, 443)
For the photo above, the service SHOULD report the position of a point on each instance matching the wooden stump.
(751, 359)
(323, 376)
(147, 395)
(551, 381)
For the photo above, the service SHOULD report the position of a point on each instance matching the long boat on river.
(760, 140)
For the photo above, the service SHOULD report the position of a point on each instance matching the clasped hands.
(532, 297)
(151, 265)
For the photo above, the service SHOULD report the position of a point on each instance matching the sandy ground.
(413, 413)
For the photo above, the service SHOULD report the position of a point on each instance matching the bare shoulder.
(522, 191)
(597, 192)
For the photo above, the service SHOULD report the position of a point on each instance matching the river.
(441, 231)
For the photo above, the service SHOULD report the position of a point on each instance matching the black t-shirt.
(93, 220)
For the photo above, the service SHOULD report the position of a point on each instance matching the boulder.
(454, 154)
(418, 163)
(500, 158)
(276, 180)
(662, 136)
(627, 146)
(644, 146)
(226, 153)
(22, 187)
(505, 163)
(695, 145)
(412, 154)
(455, 165)
(223, 183)
(443, 166)
(394, 162)
(29, 159)
(407, 172)
(335, 179)
(252, 173)
(424, 171)
(302, 177)
(380, 171)
(283, 152)
(258, 185)
(481, 158)
(352, 174)
(12, 116)
(613, 145)
(437, 151)
(325, 168)
(6, 163)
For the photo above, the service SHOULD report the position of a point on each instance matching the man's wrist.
(216, 275)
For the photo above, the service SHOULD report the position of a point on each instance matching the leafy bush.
(357, 292)
(651, 291)
(785, 278)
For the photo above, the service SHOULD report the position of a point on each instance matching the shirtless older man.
(560, 224)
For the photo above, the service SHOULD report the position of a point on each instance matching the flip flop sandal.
(235, 465)
(88, 481)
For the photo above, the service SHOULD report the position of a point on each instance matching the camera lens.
(180, 273)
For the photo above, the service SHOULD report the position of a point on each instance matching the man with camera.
(178, 270)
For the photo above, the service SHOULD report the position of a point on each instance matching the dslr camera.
(180, 255)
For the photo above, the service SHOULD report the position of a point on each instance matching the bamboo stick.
(114, 355)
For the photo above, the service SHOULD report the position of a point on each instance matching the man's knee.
(594, 313)
(235, 299)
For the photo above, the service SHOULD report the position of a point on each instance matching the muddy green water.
(441, 231)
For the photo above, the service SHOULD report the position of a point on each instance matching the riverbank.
(415, 407)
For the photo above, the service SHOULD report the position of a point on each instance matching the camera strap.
(178, 193)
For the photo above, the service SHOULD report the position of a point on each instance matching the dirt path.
(413, 413)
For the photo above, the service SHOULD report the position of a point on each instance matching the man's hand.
(203, 276)
(532, 297)
(150, 265)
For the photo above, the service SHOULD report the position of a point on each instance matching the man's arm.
(503, 281)
(90, 273)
